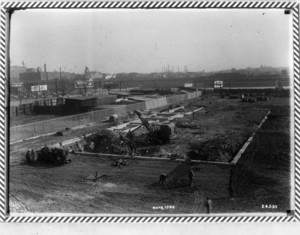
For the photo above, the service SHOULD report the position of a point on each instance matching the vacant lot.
(131, 189)
(261, 177)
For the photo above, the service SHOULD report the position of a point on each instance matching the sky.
(136, 40)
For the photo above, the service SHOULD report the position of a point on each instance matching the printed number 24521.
(269, 206)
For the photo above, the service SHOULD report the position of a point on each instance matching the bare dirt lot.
(214, 133)
(261, 177)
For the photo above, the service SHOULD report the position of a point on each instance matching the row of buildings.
(27, 75)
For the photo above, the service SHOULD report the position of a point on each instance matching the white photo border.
(7, 7)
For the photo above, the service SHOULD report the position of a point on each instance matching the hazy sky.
(147, 40)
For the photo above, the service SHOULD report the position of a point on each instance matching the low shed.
(106, 99)
(79, 104)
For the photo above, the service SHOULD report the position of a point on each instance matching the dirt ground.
(131, 189)
(134, 188)
(218, 131)
(215, 133)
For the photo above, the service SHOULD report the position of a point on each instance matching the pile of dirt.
(186, 122)
(105, 141)
(177, 178)
(181, 171)
(217, 149)
(144, 140)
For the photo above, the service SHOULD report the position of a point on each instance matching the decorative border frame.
(6, 7)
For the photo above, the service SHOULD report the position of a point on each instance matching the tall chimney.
(45, 69)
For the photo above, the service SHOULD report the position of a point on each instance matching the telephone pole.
(56, 87)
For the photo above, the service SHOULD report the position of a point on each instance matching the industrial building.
(35, 76)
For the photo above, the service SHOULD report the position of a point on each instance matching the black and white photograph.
(151, 112)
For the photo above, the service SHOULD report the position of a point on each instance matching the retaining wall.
(156, 103)
(177, 99)
(53, 125)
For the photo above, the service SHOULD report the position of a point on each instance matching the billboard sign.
(218, 84)
(39, 88)
(110, 76)
(89, 84)
(17, 84)
(188, 84)
(84, 84)
(43, 87)
(35, 88)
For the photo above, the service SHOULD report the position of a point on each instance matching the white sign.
(43, 87)
(17, 84)
(110, 76)
(218, 84)
(39, 88)
(84, 84)
(188, 84)
(35, 88)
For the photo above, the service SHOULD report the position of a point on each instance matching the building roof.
(82, 98)
(110, 106)
(123, 93)
(140, 98)
(99, 97)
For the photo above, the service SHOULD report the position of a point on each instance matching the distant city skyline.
(203, 71)
(146, 41)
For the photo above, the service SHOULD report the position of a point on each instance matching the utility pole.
(86, 74)
(56, 87)
(62, 82)
(99, 86)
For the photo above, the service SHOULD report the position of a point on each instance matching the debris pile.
(53, 155)
(63, 132)
(105, 141)
(186, 124)
(214, 150)
(143, 136)
(254, 97)
(178, 177)
(119, 163)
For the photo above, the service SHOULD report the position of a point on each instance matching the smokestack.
(45, 69)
